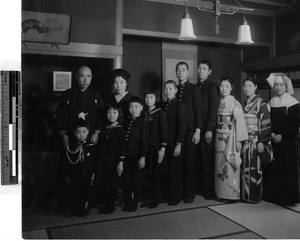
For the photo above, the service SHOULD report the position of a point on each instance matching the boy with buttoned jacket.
(136, 148)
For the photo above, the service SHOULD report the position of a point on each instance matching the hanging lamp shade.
(187, 30)
(244, 35)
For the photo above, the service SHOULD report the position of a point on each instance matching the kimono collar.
(83, 92)
(227, 98)
(252, 99)
(120, 97)
(285, 100)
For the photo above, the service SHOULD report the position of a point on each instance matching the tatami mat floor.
(200, 220)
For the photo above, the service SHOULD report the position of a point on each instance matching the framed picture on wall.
(46, 27)
(62, 80)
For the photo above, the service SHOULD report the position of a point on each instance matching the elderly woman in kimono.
(257, 148)
(282, 178)
(231, 130)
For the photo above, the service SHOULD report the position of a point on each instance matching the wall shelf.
(74, 49)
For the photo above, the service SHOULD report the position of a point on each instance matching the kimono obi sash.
(251, 123)
(224, 122)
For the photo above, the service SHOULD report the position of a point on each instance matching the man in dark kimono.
(80, 101)
(190, 96)
(210, 103)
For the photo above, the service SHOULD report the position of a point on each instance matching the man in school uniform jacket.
(190, 96)
(210, 103)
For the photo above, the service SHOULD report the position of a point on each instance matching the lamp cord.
(239, 3)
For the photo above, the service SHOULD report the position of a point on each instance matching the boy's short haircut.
(182, 63)
(172, 82)
(80, 123)
(115, 107)
(135, 99)
(207, 62)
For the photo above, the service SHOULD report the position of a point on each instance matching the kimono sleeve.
(264, 123)
(240, 123)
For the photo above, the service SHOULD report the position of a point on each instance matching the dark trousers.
(175, 175)
(109, 182)
(132, 180)
(189, 162)
(78, 195)
(154, 173)
(206, 167)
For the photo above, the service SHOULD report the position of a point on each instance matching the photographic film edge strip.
(10, 127)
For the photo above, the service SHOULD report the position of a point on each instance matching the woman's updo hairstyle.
(226, 79)
(120, 73)
(254, 81)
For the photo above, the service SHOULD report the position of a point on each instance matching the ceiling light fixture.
(187, 30)
(217, 9)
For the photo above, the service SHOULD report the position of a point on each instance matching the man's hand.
(177, 150)
(120, 168)
(95, 138)
(196, 136)
(65, 140)
(161, 154)
(141, 163)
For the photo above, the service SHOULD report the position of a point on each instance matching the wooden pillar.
(118, 35)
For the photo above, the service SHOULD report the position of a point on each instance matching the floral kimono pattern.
(231, 128)
(258, 124)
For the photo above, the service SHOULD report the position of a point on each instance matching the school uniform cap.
(135, 99)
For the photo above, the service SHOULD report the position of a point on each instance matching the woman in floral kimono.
(257, 148)
(231, 130)
(282, 179)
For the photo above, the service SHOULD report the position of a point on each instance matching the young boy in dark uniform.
(136, 150)
(176, 117)
(79, 169)
(111, 151)
(156, 164)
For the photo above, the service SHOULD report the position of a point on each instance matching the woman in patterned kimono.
(257, 148)
(231, 130)
(282, 180)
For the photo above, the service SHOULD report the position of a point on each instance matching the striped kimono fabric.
(258, 124)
